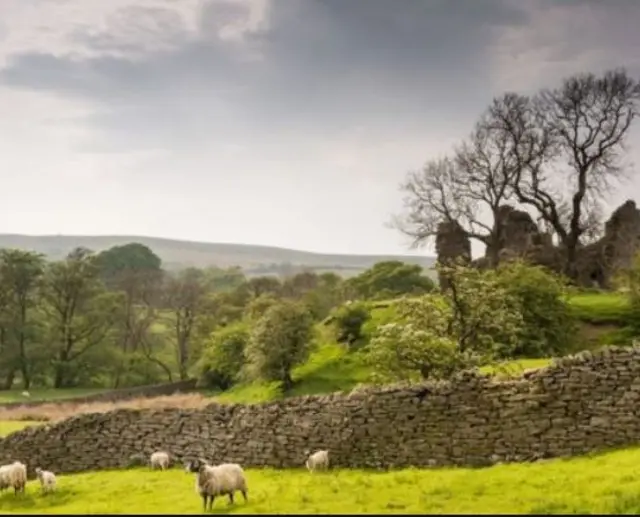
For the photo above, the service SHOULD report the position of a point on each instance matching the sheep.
(319, 460)
(160, 460)
(213, 481)
(13, 475)
(47, 479)
(4, 477)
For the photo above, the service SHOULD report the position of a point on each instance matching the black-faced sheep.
(219, 480)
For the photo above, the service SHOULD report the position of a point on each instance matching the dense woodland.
(117, 319)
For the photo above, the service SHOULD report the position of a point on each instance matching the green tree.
(349, 320)
(134, 270)
(223, 357)
(80, 312)
(21, 275)
(474, 323)
(549, 328)
(186, 298)
(257, 307)
(280, 340)
(260, 285)
(391, 278)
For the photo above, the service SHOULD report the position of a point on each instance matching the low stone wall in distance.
(153, 390)
(583, 403)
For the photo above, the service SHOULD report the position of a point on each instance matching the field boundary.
(150, 390)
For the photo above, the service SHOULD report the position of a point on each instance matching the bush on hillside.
(348, 321)
(280, 340)
(628, 280)
(471, 324)
(549, 327)
(223, 357)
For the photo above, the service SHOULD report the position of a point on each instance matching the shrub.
(471, 324)
(223, 357)
(280, 340)
(549, 327)
(348, 321)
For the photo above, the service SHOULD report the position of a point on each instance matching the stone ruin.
(518, 236)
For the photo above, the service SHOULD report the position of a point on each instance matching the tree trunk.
(26, 378)
(9, 379)
(425, 371)
(287, 382)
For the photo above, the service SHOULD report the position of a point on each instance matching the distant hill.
(176, 254)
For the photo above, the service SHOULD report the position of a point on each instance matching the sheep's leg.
(231, 497)
(204, 502)
(211, 498)
(244, 494)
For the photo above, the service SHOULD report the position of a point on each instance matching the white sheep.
(319, 460)
(4, 477)
(13, 475)
(214, 481)
(159, 460)
(47, 479)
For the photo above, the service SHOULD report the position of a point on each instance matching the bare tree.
(470, 187)
(583, 125)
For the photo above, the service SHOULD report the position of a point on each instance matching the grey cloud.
(325, 65)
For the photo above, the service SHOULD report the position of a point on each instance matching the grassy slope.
(331, 368)
(606, 483)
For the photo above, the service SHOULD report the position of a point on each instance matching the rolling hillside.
(175, 254)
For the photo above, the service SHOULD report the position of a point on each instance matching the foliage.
(629, 280)
(389, 279)
(549, 327)
(258, 306)
(223, 357)
(79, 312)
(280, 340)
(474, 323)
(348, 321)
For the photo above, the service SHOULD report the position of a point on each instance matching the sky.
(277, 122)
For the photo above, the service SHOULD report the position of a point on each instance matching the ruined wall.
(518, 236)
(584, 403)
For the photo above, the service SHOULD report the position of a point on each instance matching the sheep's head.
(38, 471)
(195, 466)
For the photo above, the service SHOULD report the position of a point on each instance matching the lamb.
(319, 460)
(160, 460)
(213, 481)
(13, 475)
(47, 479)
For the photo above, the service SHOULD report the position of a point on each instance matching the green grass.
(47, 394)
(9, 426)
(331, 368)
(600, 308)
(606, 483)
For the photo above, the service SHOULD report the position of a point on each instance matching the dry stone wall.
(153, 390)
(584, 403)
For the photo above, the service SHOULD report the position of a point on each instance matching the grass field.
(46, 394)
(9, 426)
(600, 308)
(606, 483)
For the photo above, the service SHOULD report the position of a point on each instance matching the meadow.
(603, 483)
(598, 484)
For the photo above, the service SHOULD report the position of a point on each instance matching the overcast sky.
(277, 122)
